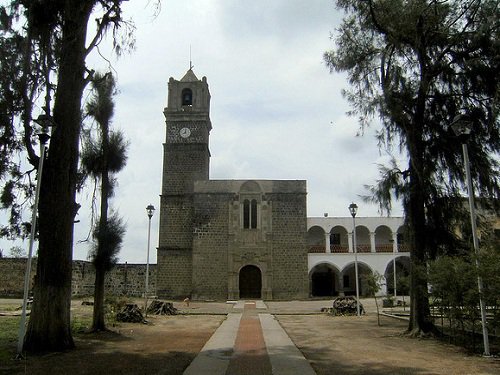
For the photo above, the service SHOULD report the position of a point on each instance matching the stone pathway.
(249, 351)
(250, 342)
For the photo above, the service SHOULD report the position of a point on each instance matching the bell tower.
(186, 159)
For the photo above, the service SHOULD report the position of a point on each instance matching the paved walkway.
(249, 342)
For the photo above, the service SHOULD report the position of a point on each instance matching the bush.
(455, 294)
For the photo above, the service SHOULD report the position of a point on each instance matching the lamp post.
(462, 126)
(353, 209)
(394, 277)
(150, 210)
(44, 138)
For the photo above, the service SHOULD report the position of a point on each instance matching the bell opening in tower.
(187, 97)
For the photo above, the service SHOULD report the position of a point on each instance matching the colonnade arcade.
(381, 247)
(369, 239)
(326, 279)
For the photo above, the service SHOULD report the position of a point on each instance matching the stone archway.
(323, 281)
(250, 282)
(402, 275)
(349, 279)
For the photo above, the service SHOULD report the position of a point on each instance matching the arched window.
(250, 214)
(187, 97)
(246, 214)
(253, 214)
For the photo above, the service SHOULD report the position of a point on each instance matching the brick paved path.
(250, 354)
(251, 342)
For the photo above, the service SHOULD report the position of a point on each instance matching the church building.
(223, 239)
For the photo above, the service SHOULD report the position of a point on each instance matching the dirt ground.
(166, 345)
(333, 345)
(352, 345)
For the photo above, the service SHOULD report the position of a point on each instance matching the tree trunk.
(98, 323)
(419, 299)
(49, 327)
(420, 321)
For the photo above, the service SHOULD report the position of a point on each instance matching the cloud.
(276, 111)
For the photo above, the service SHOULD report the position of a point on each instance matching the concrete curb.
(285, 358)
(214, 357)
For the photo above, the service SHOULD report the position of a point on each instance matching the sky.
(276, 110)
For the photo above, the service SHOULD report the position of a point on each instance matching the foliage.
(456, 297)
(92, 156)
(17, 252)
(373, 284)
(416, 65)
(31, 50)
(113, 305)
(100, 108)
(104, 150)
(453, 281)
(102, 156)
(44, 45)
(107, 243)
(489, 263)
(403, 284)
(80, 324)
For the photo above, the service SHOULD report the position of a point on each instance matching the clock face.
(185, 132)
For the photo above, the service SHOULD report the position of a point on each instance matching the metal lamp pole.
(150, 210)
(394, 277)
(462, 126)
(44, 138)
(353, 209)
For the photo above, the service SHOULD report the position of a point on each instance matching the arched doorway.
(323, 282)
(349, 279)
(250, 282)
(402, 276)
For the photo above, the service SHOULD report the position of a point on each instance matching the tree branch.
(101, 28)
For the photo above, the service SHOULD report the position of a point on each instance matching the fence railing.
(317, 249)
(363, 248)
(339, 249)
(384, 248)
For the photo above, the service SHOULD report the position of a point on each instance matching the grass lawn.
(9, 327)
(9, 330)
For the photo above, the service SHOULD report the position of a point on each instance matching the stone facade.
(123, 280)
(12, 272)
(225, 239)
(222, 246)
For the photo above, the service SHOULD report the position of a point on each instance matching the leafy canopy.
(416, 65)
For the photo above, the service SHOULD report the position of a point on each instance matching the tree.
(454, 288)
(403, 283)
(373, 285)
(101, 158)
(45, 46)
(489, 265)
(418, 64)
(17, 252)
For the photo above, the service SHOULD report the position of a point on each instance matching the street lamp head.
(150, 210)
(45, 121)
(461, 125)
(43, 136)
(353, 209)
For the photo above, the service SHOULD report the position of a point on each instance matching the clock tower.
(186, 158)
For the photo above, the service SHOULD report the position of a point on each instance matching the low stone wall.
(12, 272)
(123, 280)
